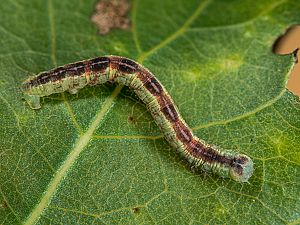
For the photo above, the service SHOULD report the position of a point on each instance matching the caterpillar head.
(241, 168)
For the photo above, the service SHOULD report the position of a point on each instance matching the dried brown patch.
(111, 14)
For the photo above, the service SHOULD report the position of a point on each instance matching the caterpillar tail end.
(242, 168)
(33, 101)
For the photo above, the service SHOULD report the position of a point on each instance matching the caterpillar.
(74, 76)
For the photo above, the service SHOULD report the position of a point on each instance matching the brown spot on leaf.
(111, 14)
(136, 210)
(131, 119)
(4, 204)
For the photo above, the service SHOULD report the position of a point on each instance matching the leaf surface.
(99, 158)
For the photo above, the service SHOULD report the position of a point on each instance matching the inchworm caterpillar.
(75, 76)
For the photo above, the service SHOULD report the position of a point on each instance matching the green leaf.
(99, 158)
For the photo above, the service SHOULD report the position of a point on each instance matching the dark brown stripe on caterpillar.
(99, 64)
(153, 86)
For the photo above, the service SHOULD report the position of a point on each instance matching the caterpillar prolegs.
(74, 76)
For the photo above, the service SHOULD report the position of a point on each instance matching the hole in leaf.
(286, 44)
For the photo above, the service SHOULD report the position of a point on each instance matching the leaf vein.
(10, 208)
(177, 33)
(241, 24)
